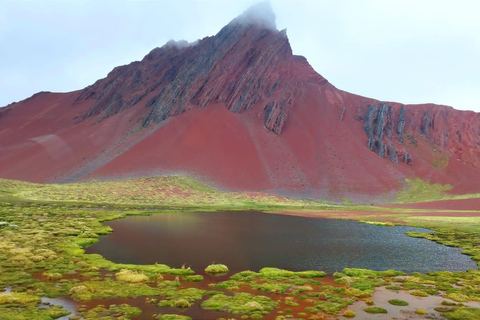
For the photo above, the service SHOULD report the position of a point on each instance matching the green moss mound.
(123, 311)
(216, 269)
(349, 314)
(180, 299)
(463, 313)
(398, 302)
(193, 278)
(131, 276)
(240, 303)
(375, 310)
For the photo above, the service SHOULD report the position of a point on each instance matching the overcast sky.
(407, 51)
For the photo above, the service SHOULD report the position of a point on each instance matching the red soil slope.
(237, 110)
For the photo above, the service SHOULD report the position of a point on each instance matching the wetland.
(47, 272)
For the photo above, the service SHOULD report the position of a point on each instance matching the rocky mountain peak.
(246, 63)
(260, 14)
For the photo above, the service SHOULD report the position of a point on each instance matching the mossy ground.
(44, 229)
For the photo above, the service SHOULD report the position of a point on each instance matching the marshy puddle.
(253, 240)
(382, 295)
(65, 303)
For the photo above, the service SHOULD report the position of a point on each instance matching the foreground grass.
(44, 229)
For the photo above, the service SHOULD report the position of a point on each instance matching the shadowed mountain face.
(240, 111)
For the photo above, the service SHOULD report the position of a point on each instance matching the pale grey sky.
(406, 51)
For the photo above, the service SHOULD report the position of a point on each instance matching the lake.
(253, 240)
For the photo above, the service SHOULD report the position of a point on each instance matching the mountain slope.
(240, 111)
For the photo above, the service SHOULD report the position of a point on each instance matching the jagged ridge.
(242, 65)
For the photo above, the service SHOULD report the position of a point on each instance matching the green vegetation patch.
(375, 310)
(463, 313)
(216, 268)
(311, 274)
(193, 278)
(131, 276)
(395, 288)
(18, 298)
(240, 303)
(106, 288)
(378, 223)
(123, 311)
(398, 302)
(419, 293)
(349, 314)
(32, 312)
(421, 311)
(332, 303)
(418, 190)
(182, 298)
(275, 273)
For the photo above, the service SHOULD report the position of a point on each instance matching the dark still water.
(253, 240)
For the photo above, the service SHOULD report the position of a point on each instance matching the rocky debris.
(392, 152)
(381, 120)
(380, 147)
(445, 138)
(109, 93)
(459, 136)
(378, 126)
(369, 117)
(275, 116)
(407, 158)
(343, 112)
(389, 123)
(401, 124)
(427, 123)
(276, 111)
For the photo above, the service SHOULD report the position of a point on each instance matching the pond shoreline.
(253, 240)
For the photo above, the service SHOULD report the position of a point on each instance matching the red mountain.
(240, 111)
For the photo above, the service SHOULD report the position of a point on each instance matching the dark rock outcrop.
(378, 126)
(407, 158)
(401, 124)
(368, 119)
(380, 147)
(381, 120)
(427, 123)
(392, 152)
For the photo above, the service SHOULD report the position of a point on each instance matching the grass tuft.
(398, 302)
(421, 311)
(375, 310)
(216, 269)
(131, 276)
(349, 314)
